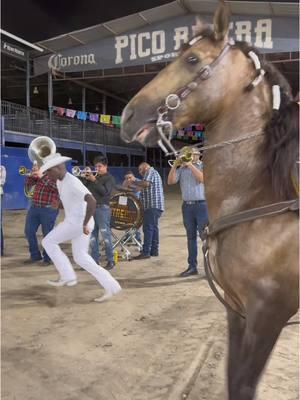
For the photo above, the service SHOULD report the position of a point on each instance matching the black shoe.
(155, 254)
(30, 261)
(110, 265)
(188, 272)
(141, 257)
(45, 263)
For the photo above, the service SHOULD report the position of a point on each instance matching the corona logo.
(58, 61)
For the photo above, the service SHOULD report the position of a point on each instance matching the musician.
(42, 212)
(79, 206)
(152, 199)
(194, 210)
(2, 183)
(129, 183)
(101, 186)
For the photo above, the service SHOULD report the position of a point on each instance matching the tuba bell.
(40, 148)
(184, 155)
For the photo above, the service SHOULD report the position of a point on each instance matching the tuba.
(184, 155)
(40, 148)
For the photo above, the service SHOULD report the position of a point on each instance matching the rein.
(227, 222)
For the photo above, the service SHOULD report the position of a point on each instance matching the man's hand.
(86, 230)
(187, 164)
(55, 204)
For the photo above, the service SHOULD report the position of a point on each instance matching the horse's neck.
(234, 178)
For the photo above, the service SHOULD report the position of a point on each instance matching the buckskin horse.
(250, 156)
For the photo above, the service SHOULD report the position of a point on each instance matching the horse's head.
(201, 77)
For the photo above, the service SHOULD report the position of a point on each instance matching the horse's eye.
(192, 59)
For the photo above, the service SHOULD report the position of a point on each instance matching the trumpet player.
(42, 212)
(101, 186)
(194, 210)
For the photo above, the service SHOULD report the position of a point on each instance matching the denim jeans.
(151, 231)
(195, 218)
(36, 216)
(2, 236)
(102, 223)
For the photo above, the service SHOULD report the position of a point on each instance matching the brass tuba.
(40, 148)
(184, 155)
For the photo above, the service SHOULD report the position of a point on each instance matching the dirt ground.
(163, 337)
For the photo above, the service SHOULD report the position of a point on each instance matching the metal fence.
(22, 119)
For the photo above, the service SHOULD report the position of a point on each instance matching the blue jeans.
(151, 231)
(36, 216)
(2, 236)
(102, 223)
(195, 218)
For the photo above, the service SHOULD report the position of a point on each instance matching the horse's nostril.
(128, 113)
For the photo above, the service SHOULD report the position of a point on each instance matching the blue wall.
(13, 157)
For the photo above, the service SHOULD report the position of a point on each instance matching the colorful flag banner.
(70, 113)
(81, 115)
(105, 119)
(94, 117)
(60, 111)
(116, 120)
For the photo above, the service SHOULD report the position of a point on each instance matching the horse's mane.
(281, 145)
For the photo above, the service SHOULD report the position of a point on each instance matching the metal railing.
(28, 120)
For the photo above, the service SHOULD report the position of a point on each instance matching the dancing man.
(79, 206)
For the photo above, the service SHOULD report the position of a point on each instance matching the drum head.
(126, 211)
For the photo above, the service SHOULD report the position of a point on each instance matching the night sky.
(36, 20)
(45, 19)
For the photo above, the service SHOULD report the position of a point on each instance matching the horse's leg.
(265, 320)
(236, 330)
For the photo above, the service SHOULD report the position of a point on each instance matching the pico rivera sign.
(162, 41)
(152, 44)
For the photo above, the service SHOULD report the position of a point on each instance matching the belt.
(193, 202)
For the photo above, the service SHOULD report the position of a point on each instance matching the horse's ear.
(221, 21)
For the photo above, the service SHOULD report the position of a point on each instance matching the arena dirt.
(162, 338)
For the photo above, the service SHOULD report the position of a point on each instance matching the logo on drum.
(58, 61)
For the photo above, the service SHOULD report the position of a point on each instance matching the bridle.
(174, 100)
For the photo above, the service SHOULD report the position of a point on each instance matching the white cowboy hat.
(52, 161)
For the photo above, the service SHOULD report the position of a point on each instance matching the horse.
(249, 160)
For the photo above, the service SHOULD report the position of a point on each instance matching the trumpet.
(184, 155)
(77, 171)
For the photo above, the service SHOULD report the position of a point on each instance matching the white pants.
(73, 231)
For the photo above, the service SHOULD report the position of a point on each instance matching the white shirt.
(72, 192)
(2, 178)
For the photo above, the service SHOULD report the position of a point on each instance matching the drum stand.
(128, 235)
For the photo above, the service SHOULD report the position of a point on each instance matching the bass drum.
(126, 211)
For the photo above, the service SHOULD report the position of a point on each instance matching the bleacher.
(24, 120)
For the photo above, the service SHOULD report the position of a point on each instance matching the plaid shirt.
(45, 193)
(153, 195)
